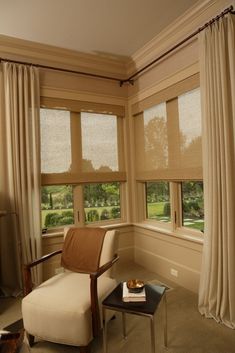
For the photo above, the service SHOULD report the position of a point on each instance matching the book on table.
(128, 296)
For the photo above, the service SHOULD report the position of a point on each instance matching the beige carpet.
(188, 332)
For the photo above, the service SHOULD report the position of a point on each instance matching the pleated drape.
(20, 240)
(217, 74)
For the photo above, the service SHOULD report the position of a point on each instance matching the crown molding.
(110, 65)
(179, 29)
(43, 54)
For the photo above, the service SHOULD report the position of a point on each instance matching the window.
(57, 206)
(82, 162)
(158, 201)
(168, 157)
(99, 142)
(192, 204)
(101, 202)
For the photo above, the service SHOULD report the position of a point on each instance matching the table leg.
(165, 321)
(104, 331)
(152, 333)
(124, 325)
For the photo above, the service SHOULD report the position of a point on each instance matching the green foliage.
(167, 209)
(115, 212)
(92, 216)
(101, 194)
(54, 219)
(157, 191)
(104, 215)
(56, 197)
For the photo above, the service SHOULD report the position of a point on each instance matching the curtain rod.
(62, 70)
(130, 79)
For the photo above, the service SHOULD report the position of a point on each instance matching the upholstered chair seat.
(60, 310)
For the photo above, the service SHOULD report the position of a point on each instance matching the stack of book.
(128, 296)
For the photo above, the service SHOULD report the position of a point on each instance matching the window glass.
(158, 201)
(99, 142)
(101, 202)
(192, 204)
(55, 141)
(151, 139)
(57, 205)
(189, 106)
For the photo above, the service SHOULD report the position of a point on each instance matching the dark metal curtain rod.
(130, 79)
(62, 70)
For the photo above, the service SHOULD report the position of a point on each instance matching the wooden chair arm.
(105, 267)
(28, 286)
(94, 294)
(43, 258)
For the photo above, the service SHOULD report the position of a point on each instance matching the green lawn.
(156, 211)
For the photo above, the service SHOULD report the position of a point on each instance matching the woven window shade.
(80, 147)
(168, 139)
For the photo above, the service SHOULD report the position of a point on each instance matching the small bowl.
(135, 285)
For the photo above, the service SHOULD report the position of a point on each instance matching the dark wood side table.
(11, 341)
(154, 295)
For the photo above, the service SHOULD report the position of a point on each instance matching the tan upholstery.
(59, 310)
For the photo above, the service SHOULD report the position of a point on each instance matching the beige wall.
(161, 253)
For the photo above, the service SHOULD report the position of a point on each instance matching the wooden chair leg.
(30, 339)
(84, 349)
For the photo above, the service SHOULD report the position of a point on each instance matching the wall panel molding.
(187, 277)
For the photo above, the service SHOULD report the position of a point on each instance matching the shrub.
(92, 216)
(115, 212)
(66, 220)
(104, 214)
(67, 214)
(52, 219)
(167, 209)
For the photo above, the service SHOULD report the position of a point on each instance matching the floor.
(188, 331)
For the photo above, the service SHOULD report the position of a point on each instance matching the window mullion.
(76, 142)
(79, 216)
(176, 205)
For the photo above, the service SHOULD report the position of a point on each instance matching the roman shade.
(168, 134)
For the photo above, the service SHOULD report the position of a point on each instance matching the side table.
(154, 295)
(11, 339)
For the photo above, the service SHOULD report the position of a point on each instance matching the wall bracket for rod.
(130, 82)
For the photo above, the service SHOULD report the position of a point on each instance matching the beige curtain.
(217, 285)
(20, 238)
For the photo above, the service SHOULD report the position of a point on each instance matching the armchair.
(66, 308)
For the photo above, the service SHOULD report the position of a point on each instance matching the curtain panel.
(20, 184)
(217, 61)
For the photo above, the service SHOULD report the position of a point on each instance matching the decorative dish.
(135, 285)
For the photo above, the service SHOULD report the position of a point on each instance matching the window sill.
(60, 232)
(192, 238)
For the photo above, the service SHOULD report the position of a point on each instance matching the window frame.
(78, 178)
(175, 227)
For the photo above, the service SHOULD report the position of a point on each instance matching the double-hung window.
(82, 163)
(168, 157)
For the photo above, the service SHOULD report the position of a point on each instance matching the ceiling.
(117, 27)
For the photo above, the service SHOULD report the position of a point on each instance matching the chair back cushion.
(82, 249)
